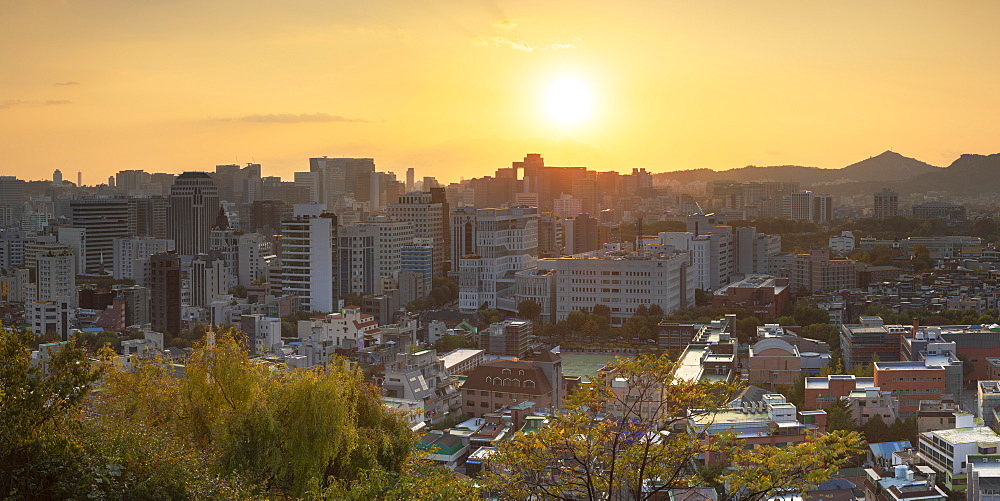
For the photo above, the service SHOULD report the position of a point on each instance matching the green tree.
(838, 417)
(921, 260)
(602, 310)
(239, 291)
(875, 429)
(40, 408)
(786, 321)
(984, 228)
(805, 315)
(528, 309)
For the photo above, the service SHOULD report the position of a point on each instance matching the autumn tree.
(631, 442)
(288, 431)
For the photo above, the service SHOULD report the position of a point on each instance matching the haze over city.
(458, 89)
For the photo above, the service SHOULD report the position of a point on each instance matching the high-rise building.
(357, 246)
(209, 278)
(340, 176)
(165, 291)
(418, 257)
(427, 217)
(194, 206)
(131, 256)
(136, 305)
(104, 220)
(488, 247)
(12, 194)
(132, 181)
(309, 258)
(147, 216)
(393, 235)
(409, 179)
(886, 204)
(253, 256)
(56, 274)
(57, 177)
(77, 238)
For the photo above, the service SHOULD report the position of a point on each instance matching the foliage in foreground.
(634, 444)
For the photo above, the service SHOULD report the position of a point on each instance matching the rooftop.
(966, 435)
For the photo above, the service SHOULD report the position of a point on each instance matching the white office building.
(621, 280)
(131, 256)
(309, 257)
(488, 247)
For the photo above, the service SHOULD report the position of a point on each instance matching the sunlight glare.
(568, 101)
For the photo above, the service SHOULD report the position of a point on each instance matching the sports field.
(584, 364)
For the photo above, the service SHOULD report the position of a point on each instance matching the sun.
(568, 101)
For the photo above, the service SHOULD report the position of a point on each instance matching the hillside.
(885, 167)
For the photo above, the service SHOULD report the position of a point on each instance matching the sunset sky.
(457, 89)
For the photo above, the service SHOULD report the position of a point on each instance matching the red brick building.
(910, 382)
(499, 383)
(763, 296)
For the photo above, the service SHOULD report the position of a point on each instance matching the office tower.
(12, 194)
(427, 217)
(77, 238)
(57, 177)
(253, 256)
(104, 220)
(340, 176)
(264, 216)
(409, 179)
(357, 246)
(194, 205)
(418, 257)
(136, 305)
(822, 208)
(79, 178)
(488, 247)
(131, 256)
(132, 181)
(309, 258)
(581, 234)
(147, 216)
(165, 291)
(550, 235)
(798, 206)
(392, 236)
(232, 181)
(439, 196)
(886, 204)
(224, 244)
(55, 274)
(209, 279)
(310, 181)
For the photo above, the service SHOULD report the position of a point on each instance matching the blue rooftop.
(884, 450)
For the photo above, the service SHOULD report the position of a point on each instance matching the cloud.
(20, 103)
(293, 118)
(500, 38)
(68, 82)
(504, 24)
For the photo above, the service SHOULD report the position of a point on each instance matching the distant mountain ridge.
(888, 166)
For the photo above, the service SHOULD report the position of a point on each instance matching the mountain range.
(969, 175)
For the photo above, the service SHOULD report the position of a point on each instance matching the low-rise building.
(910, 382)
(499, 383)
(762, 296)
(902, 483)
(947, 451)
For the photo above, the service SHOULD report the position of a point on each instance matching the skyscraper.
(165, 291)
(886, 204)
(309, 257)
(194, 205)
(104, 220)
(428, 218)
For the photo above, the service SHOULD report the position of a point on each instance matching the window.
(470, 403)
(484, 404)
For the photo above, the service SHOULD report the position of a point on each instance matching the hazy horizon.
(459, 89)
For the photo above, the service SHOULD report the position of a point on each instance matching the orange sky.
(456, 89)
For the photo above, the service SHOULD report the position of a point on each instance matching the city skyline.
(460, 89)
